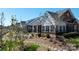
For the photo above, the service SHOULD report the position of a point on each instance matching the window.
(29, 28)
(47, 28)
(60, 28)
(43, 28)
(52, 28)
(34, 28)
(56, 28)
(64, 28)
(39, 28)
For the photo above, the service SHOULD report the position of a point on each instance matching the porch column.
(75, 28)
(44, 29)
(58, 29)
(78, 28)
(65, 28)
(37, 28)
(52, 28)
(32, 28)
(49, 28)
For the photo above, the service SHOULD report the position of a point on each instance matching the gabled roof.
(36, 20)
(42, 18)
(61, 12)
(54, 15)
(32, 20)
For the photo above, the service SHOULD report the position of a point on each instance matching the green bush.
(17, 45)
(39, 35)
(9, 45)
(73, 41)
(32, 47)
(48, 35)
(71, 35)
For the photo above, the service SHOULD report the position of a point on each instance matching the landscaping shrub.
(74, 42)
(9, 45)
(39, 35)
(32, 47)
(71, 35)
(17, 45)
(61, 38)
(48, 36)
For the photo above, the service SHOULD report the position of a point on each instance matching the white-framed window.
(52, 28)
(62, 28)
(43, 28)
(35, 29)
(47, 28)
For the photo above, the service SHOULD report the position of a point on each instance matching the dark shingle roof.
(54, 15)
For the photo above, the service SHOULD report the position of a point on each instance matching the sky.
(24, 14)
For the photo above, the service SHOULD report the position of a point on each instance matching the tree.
(15, 28)
(1, 27)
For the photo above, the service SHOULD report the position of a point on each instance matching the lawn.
(73, 40)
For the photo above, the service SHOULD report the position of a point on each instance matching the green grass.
(74, 41)
(32, 47)
(9, 45)
(72, 37)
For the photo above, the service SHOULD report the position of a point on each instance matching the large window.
(39, 28)
(63, 28)
(47, 28)
(52, 28)
(43, 28)
(60, 28)
(35, 28)
(56, 28)
(29, 28)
